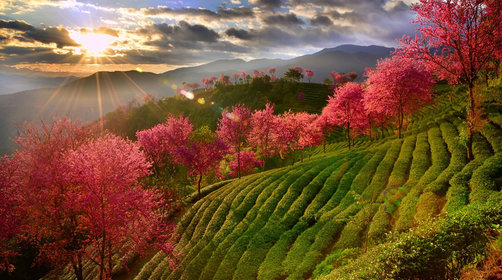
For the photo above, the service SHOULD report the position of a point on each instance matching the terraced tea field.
(282, 223)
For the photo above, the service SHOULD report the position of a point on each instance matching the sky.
(80, 37)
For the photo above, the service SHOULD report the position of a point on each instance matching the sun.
(93, 44)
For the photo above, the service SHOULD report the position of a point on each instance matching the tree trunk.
(302, 154)
(399, 124)
(239, 162)
(293, 163)
(469, 122)
(324, 146)
(198, 187)
(348, 134)
(77, 267)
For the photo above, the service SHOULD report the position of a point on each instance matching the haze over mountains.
(78, 99)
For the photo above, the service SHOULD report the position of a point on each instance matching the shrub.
(434, 250)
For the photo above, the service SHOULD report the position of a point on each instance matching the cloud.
(222, 13)
(239, 33)
(321, 20)
(270, 4)
(187, 32)
(16, 54)
(101, 30)
(58, 35)
(283, 19)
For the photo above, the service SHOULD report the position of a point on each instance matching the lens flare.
(187, 94)
(201, 101)
(233, 117)
(139, 69)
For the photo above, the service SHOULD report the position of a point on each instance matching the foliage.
(457, 39)
(435, 250)
(346, 108)
(396, 88)
(234, 128)
(161, 141)
(201, 154)
(247, 164)
(115, 213)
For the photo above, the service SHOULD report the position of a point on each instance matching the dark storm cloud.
(321, 20)
(223, 13)
(239, 33)
(186, 32)
(57, 35)
(271, 4)
(19, 25)
(36, 55)
(284, 20)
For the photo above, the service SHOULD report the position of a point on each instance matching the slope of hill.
(282, 223)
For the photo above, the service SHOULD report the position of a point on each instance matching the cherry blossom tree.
(271, 70)
(236, 76)
(10, 214)
(115, 214)
(160, 141)
(309, 74)
(289, 129)
(456, 39)
(352, 76)
(339, 79)
(201, 154)
(248, 162)
(323, 126)
(233, 128)
(397, 87)
(44, 195)
(261, 134)
(311, 135)
(346, 108)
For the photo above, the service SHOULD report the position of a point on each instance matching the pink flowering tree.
(115, 214)
(311, 135)
(309, 74)
(160, 141)
(201, 154)
(234, 127)
(346, 108)
(10, 214)
(247, 165)
(323, 126)
(236, 76)
(397, 88)
(288, 131)
(244, 76)
(457, 39)
(44, 194)
(338, 79)
(272, 70)
(261, 134)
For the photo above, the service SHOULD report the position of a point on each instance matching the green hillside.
(285, 222)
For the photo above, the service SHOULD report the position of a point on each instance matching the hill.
(90, 97)
(308, 219)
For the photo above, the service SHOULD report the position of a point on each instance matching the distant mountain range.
(78, 98)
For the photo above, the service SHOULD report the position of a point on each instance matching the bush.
(434, 250)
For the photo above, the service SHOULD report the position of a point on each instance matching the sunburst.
(93, 44)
